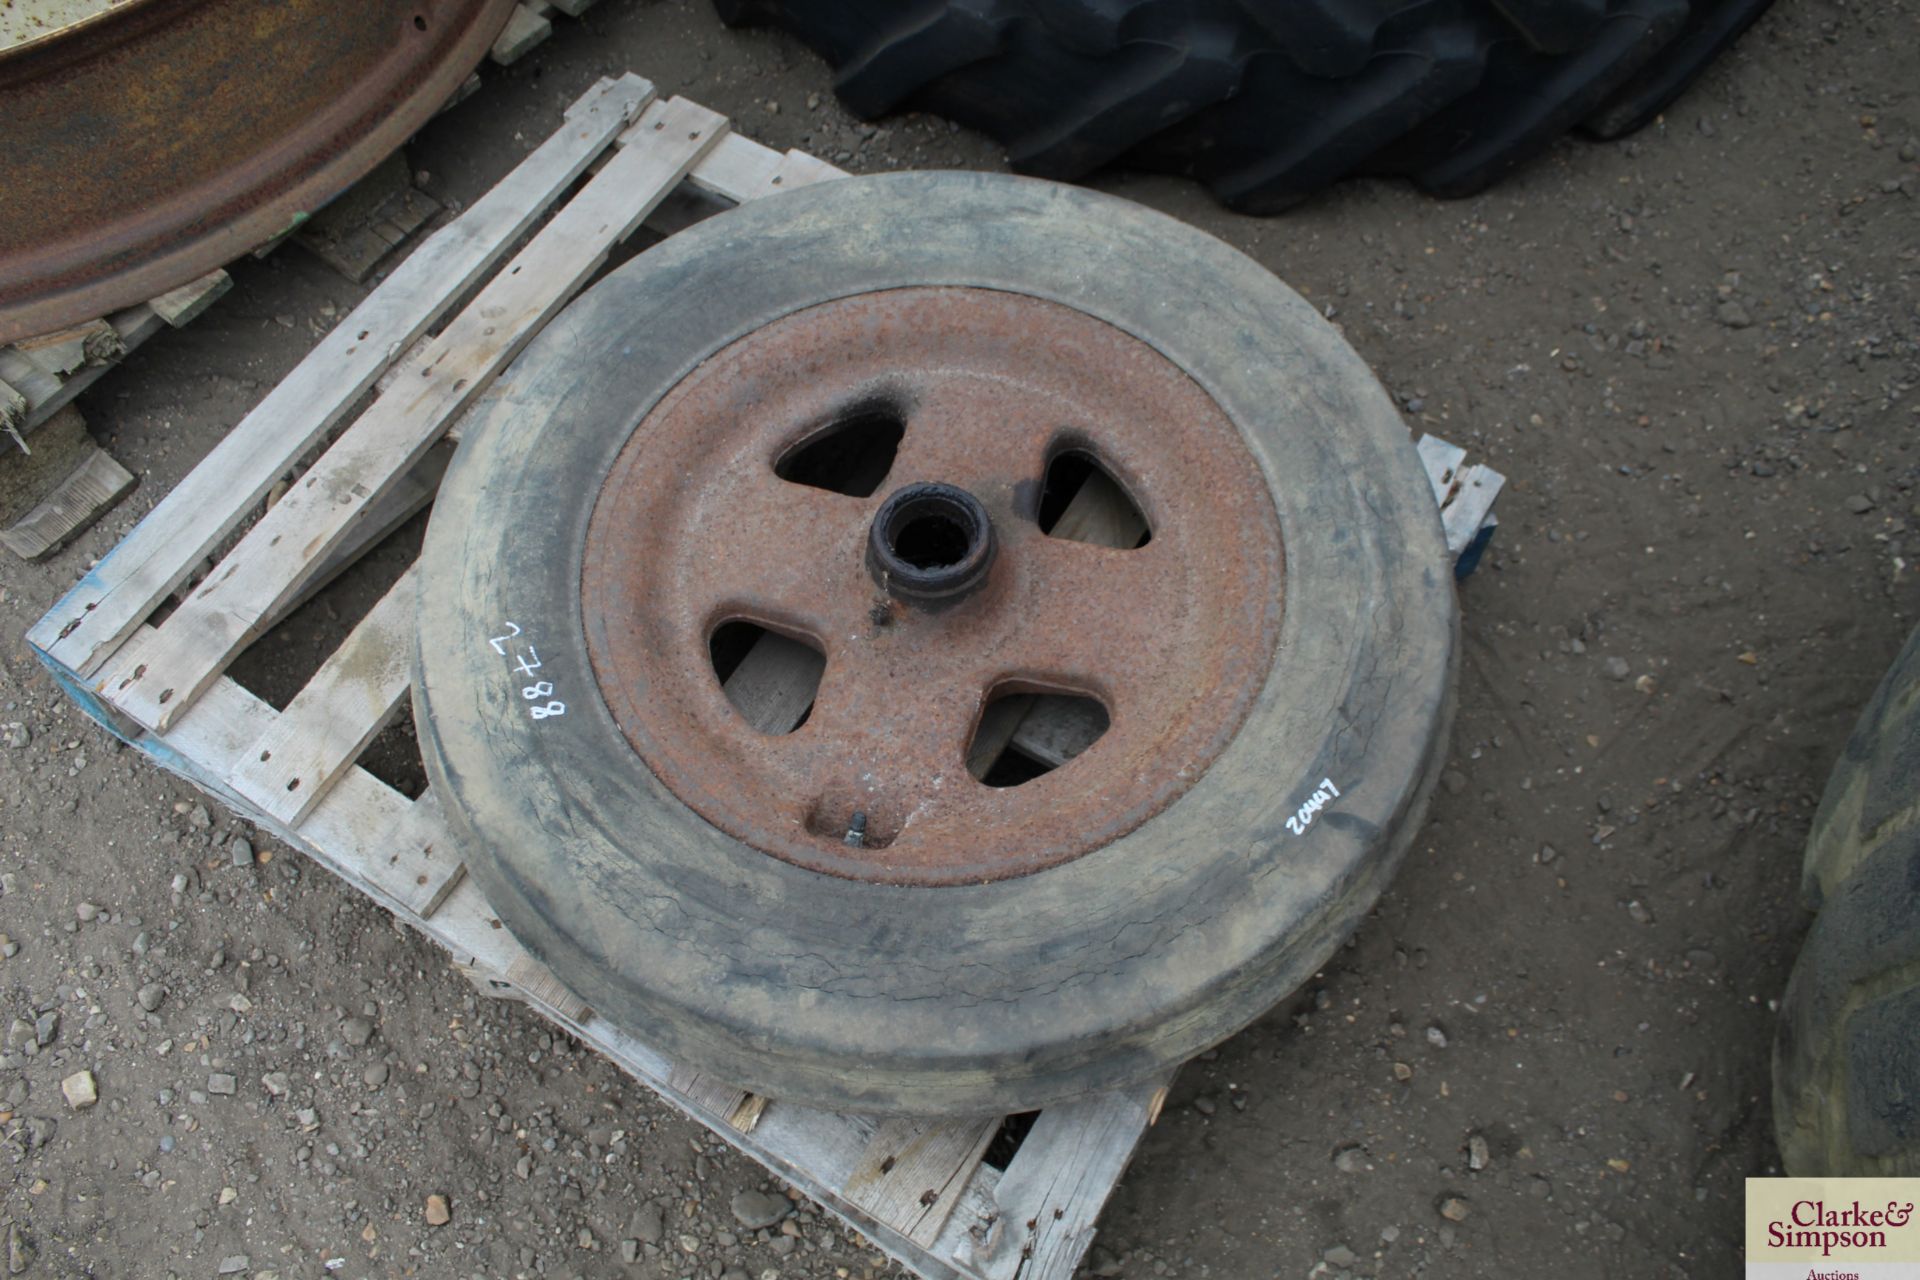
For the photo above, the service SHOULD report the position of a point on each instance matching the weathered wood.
(46, 394)
(410, 496)
(88, 492)
(1055, 728)
(1442, 460)
(526, 28)
(104, 608)
(1048, 1198)
(75, 347)
(738, 170)
(913, 1172)
(369, 458)
(1470, 507)
(999, 721)
(393, 849)
(13, 412)
(775, 682)
(182, 305)
(697, 1089)
(536, 981)
(332, 719)
(36, 384)
(357, 230)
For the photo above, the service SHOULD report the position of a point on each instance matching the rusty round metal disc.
(694, 528)
(160, 139)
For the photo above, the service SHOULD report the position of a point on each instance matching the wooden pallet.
(919, 1189)
(39, 376)
(530, 23)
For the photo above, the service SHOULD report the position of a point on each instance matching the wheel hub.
(936, 593)
(930, 544)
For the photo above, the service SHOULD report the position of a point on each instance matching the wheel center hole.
(932, 540)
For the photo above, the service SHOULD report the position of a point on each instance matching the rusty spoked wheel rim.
(695, 528)
(653, 851)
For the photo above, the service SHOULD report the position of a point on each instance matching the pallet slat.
(289, 768)
(913, 1172)
(526, 27)
(83, 497)
(119, 593)
(1050, 1195)
(369, 458)
(179, 306)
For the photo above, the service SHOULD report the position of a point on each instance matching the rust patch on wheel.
(696, 528)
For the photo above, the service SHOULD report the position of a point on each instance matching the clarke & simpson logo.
(1832, 1229)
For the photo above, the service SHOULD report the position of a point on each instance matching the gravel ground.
(1695, 355)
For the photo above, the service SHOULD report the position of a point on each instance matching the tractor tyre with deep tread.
(1267, 101)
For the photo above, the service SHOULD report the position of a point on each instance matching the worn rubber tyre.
(973, 997)
(1266, 101)
(1846, 1065)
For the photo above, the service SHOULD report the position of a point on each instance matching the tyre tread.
(1266, 101)
(1847, 1051)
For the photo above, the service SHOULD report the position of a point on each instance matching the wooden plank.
(75, 347)
(359, 228)
(775, 682)
(746, 1116)
(1441, 460)
(46, 395)
(113, 599)
(738, 170)
(699, 1090)
(13, 412)
(999, 721)
(404, 501)
(372, 456)
(798, 169)
(88, 493)
(1055, 728)
(395, 850)
(332, 719)
(183, 305)
(913, 1172)
(525, 29)
(422, 861)
(537, 982)
(1059, 1180)
(1471, 506)
(27, 377)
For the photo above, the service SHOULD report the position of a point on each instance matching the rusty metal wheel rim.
(693, 528)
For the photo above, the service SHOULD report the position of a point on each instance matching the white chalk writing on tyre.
(1303, 817)
(526, 662)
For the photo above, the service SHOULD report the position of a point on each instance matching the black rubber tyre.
(979, 998)
(1846, 1065)
(1266, 101)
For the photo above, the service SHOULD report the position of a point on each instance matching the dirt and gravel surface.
(1695, 354)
